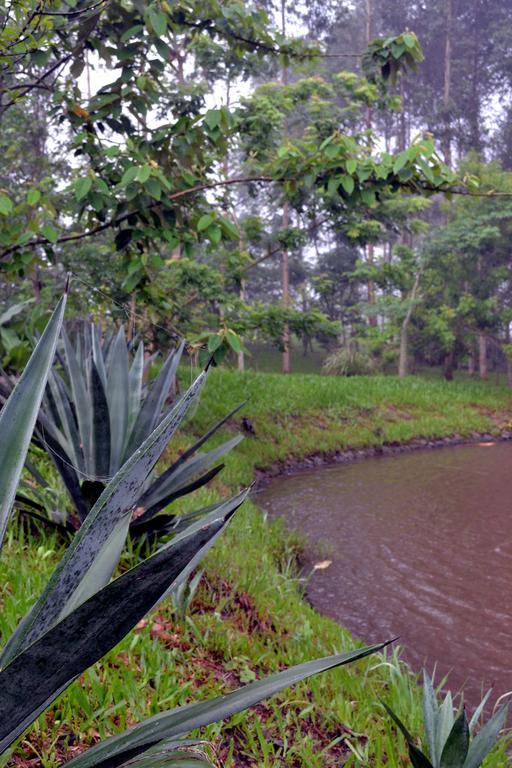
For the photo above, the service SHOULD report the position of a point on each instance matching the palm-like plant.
(449, 735)
(98, 409)
(82, 614)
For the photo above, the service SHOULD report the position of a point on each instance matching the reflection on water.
(421, 546)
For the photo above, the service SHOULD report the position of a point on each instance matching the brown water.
(421, 547)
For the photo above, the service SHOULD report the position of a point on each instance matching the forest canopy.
(324, 173)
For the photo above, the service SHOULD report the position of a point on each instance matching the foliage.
(449, 734)
(356, 358)
(99, 413)
(81, 614)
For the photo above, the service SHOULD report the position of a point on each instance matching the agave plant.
(82, 613)
(449, 735)
(97, 410)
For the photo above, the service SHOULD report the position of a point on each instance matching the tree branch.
(120, 219)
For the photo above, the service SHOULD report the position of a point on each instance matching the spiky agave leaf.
(19, 414)
(116, 750)
(117, 417)
(88, 563)
(33, 679)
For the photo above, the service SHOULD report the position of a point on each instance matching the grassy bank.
(248, 617)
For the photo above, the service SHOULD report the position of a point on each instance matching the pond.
(421, 547)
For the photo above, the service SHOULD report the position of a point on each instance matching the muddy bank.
(291, 465)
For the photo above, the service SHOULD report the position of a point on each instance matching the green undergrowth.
(249, 616)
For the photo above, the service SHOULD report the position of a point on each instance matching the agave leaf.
(202, 440)
(430, 707)
(81, 400)
(150, 513)
(418, 759)
(150, 412)
(173, 523)
(63, 464)
(185, 472)
(176, 722)
(67, 418)
(101, 435)
(135, 378)
(101, 537)
(171, 755)
(97, 354)
(16, 309)
(19, 414)
(478, 711)
(33, 678)
(117, 392)
(224, 510)
(456, 747)
(445, 719)
(486, 738)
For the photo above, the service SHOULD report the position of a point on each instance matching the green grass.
(249, 617)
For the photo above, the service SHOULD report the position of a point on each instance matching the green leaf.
(118, 398)
(143, 173)
(158, 21)
(214, 234)
(214, 342)
(50, 233)
(6, 205)
(486, 738)
(82, 187)
(347, 182)
(429, 714)
(234, 342)
(456, 747)
(129, 175)
(445, 719)
(418, 759)
(212, 118)
(154, 188)
(400, 161)
(33, 196)
(205, 221)
(19, 414)
(182, 720)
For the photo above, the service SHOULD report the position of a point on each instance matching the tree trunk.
(404, 330)
(482, 355)
(449, 365)
(447, 151)
(241, 356)
(285, 269)
(402, 361)
(471, 361)
(370, 248)
(509, 372)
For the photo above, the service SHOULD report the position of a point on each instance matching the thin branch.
(69, 14)
(120, 219)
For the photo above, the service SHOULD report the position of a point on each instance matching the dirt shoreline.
(292, 465)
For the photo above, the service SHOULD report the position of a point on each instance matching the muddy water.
(421, 547)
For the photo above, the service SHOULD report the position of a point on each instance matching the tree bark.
(447, 150)
(449, 365)
(370, 247)
(285, 269)
(482, 355)
(404, 330)
(241, 356)
(509, 371)
(471, 360)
